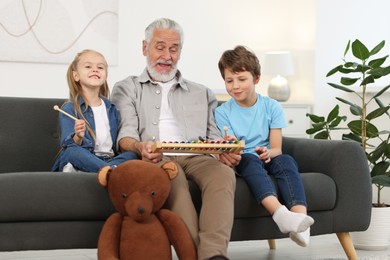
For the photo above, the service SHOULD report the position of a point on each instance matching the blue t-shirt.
(251, 124)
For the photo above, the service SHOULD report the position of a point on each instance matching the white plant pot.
(377, 236)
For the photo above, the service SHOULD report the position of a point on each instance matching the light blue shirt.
(251, 124)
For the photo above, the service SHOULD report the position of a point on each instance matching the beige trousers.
(211, 232)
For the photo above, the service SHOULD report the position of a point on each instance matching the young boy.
(259, 121)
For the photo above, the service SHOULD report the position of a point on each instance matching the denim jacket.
(67, 126)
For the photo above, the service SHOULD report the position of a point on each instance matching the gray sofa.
(40, 209)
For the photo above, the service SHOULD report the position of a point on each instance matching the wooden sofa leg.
(271, 243)
(346, 243)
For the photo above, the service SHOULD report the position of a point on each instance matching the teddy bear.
(141, 229)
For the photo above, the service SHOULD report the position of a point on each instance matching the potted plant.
(363, 70)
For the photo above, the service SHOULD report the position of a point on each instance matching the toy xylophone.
(205, 147)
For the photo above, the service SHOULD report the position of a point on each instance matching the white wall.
(338, 22)
(210, 27)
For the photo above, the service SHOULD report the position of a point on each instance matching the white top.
(168, 128)
(103, 144)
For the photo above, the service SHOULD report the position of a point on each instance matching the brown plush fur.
(140, 229)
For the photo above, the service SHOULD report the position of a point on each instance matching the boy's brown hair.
(238, 60)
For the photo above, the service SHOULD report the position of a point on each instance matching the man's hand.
(148, 155)
(230, 159)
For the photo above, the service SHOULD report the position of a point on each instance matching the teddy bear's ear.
(171, 169)
(103, 175)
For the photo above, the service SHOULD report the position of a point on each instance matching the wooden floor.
(321, 247)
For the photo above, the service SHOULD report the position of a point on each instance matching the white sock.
(302, 238)
(289, 221)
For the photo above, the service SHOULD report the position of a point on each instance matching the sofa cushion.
(245, 206)
(48, 196)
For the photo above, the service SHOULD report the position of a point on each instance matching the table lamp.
(278, 64)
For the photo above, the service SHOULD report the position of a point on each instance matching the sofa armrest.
(346, 163)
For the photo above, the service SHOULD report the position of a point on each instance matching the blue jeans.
(283, 168)
(85, 161)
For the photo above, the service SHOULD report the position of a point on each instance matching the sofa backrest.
(29, 134)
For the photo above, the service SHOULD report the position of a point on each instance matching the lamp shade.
(278, 63)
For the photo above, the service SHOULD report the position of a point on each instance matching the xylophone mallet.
(63, 112)
(225, 129)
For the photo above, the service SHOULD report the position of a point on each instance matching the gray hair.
(163, 23)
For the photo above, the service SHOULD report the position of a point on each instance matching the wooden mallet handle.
(225, 129)
(63, 112)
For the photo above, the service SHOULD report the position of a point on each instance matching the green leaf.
(313, 130)
(346, 101)
(356, 127)
(377, 48)
(317, 127)
(315, 118)
(387, 71)
(387, 153)
(371, 130)
(362, 68)
(334, 70)
(341, 87)
(348, 81)
(360, 51)
(356, 110)
(310, 131)
(381, 180)
(350, 64)
(352, 137)
(377, 113)
(337, 121)
(380, 93)
(378, 101)
(333, 114)
(379, 72)
(368, 80)
(347, 48)
(346, 71)
(377, 62)
(322, 135)
(380, 168)
(379, 151)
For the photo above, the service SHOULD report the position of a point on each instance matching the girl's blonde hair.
(75, 89)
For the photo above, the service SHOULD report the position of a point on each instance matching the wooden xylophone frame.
(199, 147)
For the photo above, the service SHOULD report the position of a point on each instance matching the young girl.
(89, 143)
(258, 120)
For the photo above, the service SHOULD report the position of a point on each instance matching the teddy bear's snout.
(138, 206)
(141, 210)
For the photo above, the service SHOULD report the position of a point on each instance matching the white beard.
(156, 76)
